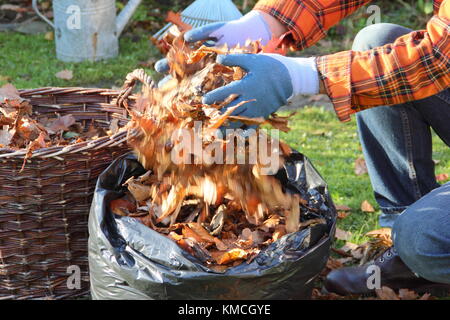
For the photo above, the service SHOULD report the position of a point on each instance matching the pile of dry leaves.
(221, 212)
(19, 128)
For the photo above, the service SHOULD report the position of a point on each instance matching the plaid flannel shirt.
(414, 67)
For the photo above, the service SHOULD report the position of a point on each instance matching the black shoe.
(393, 273)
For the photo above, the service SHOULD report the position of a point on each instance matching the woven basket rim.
(55, 151)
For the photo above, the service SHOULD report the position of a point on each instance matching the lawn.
(333, 147)
(29, 61)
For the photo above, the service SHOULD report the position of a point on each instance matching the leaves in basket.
(61, 124)
(22, 128)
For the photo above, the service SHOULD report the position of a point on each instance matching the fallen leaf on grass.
(5, 78)
(333, 264)
(360, 167)
(367, 207)
(342, 207)
(426, 296)
(380, 233)
(342, 214)
(13, 7)
(382, 237)
(349, 246)
(354, 250)
(406, 294)
(342, 235)
(386, 293)
(50, 36)
(64, 74)
(345, 260)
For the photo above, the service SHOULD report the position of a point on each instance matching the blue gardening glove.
(271, 79)
(161, 66)
(251, 26)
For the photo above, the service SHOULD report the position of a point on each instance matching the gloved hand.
(251, 26)
(271, 79)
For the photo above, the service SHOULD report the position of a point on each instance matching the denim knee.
(377, 35)
(420, 246)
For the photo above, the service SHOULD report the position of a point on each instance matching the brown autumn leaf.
(342, 214)
(231, 256)
(5, 138)
(341, 207)
(122, 207)
(36, 144)
(426, 296)
(360, 166)
(13, 7)
(367, 207)
(342, 234)
(442, 177)
(9, 92)
(175, 18)
(61, 123)
(205, 236)
(114, 126)
(333, 264)
(386, 293)
(349, 246)
(277, 45)
(382, 233)
(270, 223)
(139, 191)
(49, 36)
(64, 74)
(280, 231)
(406, 294)
(345, 260)
(359, 253)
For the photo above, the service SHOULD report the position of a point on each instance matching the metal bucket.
(87, 29)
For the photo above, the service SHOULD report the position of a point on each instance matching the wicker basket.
(44, 209)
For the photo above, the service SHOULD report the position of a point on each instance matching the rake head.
(202, 12)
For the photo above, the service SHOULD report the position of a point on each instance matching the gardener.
(404, 74)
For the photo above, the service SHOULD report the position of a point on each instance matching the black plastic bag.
(128, 260)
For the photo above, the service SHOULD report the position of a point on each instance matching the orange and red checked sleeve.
(308, 20)
(414, 67)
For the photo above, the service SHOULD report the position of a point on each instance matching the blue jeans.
(422, 235)
(396, 140)
(397, 147)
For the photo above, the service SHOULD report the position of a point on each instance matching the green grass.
(29, 61)
(333, 147)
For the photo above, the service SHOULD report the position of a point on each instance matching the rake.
(202, 12)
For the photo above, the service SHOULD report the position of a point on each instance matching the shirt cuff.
(289, 14)
(335, 72)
